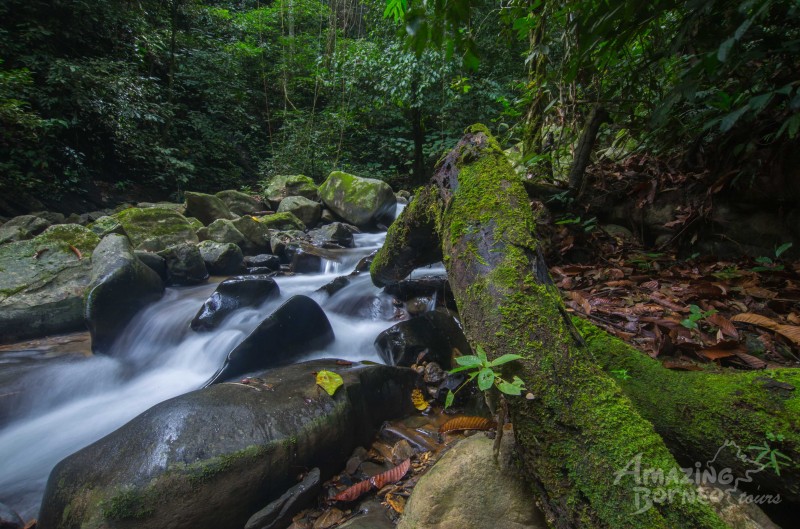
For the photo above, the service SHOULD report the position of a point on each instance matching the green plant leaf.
(509, 389)
(329, 381)
(469, 361)
(462, 368)
(506, 358)
(485, 379)
(782, 248)
(481, 354)
(448, 401)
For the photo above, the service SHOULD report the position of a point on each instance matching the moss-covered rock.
(155, 229)
(221, 258)
(195, 223)
(185, 265)
(282, 186)
(256, 234)
(22, 228)
(282, 221)
(241, 203)
(174, 206)
(213, 457)
(306, 210)
(206, 208)
(221, 230)
(121, 286)
(42, 281)
(106, 225)
(364, 202)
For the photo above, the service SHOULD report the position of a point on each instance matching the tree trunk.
(579, 433)
(585, 146)
(712, 416)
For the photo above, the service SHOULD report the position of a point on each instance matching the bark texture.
(580, 431)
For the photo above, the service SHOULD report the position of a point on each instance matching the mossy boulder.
(240, 203)
(282, 186)
(174, 206)
(106, 225)
(213, 457)
(22, 228)
(121, 286)
(221, 230)
(364, 202)
(333, 235)
(185, 265)
(282, 221)
(221, 258)
(256, 234)
(281, 239)
(195, 223)
(42, 281)
(308, 211)
(207, 208)
(155, 229)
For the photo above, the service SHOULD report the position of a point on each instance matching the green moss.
(208, 469)
(130, 504)
(71, 235)
(282, 221)
(147, 224)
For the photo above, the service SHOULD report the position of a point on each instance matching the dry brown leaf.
(354, 492)
(715, 353)
(790, 331)
(391, 476)
(466, 423)
(724, 325)
(396, 502)
(761, 293)
(755, 319)
(751, 361)
(328, 519)
(793, 318)
(580, 300)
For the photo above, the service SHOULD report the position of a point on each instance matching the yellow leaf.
(398, 503)
(329, 381)
(419, 400)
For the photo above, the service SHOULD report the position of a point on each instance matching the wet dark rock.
(335, 233)
(435, 333)
(221, 258)
(298, 326)
(233, 294)
(210, 458)
(334, 286)
(53, 217)
(302, 259)
(206, 208)
(433, 374)
(281, 239)
(278, 514)
(185, 265)
(428, 285)
(272, 262)
(121, 286)
(420, 305)
(364, 264)
(155, 262)
(260, 271)
(9, 519)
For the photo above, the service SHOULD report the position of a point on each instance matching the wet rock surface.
(433, 336)
(233, 294)
(213, 457)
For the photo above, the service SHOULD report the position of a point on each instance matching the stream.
(58, 406)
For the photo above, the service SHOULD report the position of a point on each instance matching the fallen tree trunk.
(580, 433)
(706, 417)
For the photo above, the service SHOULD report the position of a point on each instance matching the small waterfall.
(66, 405)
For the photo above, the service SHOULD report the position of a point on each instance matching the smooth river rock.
(296, 327)
(364, 202)
(231, 295)
(211, 458)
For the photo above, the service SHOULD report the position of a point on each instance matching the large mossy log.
(580, 432)
(707, 416)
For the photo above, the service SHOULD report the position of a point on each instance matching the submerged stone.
(233, 294)
(436, 334)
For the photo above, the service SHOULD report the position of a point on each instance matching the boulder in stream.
(155, 229)
(364, 202)
(121, 286)
(213, 457)
(240, 203)
(206, 208)
(436, 334)
(221, 258)
(303, 208)
(43, 281)
(22, 228)
(282, 186)
(296, 327)
(233, 294)
(185, 265)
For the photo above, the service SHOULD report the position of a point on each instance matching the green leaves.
(480, 367)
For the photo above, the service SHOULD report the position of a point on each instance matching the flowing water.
(63, 405)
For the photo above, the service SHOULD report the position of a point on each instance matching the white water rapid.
(62, 405)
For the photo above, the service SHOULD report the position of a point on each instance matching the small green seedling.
(766, 264)
(696, 314)
(480, 367)
(774, 458)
